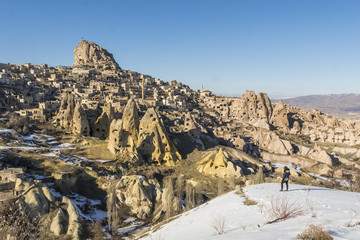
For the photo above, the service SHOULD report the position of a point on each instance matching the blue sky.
(282, 47)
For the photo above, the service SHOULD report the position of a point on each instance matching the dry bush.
(219, 225)
(95, 231)
(282, 209)
(353, 222)
(15, 223)
(314, 233)
(249, 202)
(310, 205)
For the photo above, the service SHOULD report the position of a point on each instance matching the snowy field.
(334, 211)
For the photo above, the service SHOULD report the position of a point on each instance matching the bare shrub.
(249, 202)
(219, 225)
(261, 207)
(15, 223)
(282, 209)
(353, 222)
(310, 205)
(314, 233)
(95, 230)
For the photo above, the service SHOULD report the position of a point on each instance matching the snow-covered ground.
(335, 211)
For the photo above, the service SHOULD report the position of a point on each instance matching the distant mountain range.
(342, 105)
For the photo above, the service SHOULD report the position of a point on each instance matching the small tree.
(259, 177)
(180, 187)
(169, 197)
(190, 196)
(220, 185)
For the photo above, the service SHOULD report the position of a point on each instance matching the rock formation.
(91, 55)
(146, 139)
(80, 123)
(102, 123)
(240, 143)
(66, 221)
(219, 165)
(124, 132)
(251, 107)
(191, 126)
(64, 117)
(40, 202)
(279, 117)
(130, 120)
(321, 155)
(271, 142)
(137, 194)
(154, 143)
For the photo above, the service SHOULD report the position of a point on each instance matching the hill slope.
(343, 105)
(333, 210)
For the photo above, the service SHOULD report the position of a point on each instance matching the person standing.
(285, 178)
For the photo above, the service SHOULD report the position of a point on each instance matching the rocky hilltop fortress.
(77, 142)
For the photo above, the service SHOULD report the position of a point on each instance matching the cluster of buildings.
(35, 91)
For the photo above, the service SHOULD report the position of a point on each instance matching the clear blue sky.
(281, 47)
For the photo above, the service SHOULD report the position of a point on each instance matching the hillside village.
(94, 144)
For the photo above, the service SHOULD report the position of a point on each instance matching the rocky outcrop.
(154, 143)
(37, 201)
(271, 142)
(40, 202)
(218, 164)
(80, 124)
(89, 54)
(66, 220)
(102, 123)
(130, 120)
(64, 117)
(251, 107)
(321, 155)
(124, 132)
(138, 194)
(146, 139)
(279, 117)
(296, 128)
(143, 198)
(240, 143)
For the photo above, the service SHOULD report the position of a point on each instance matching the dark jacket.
(286, 175)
